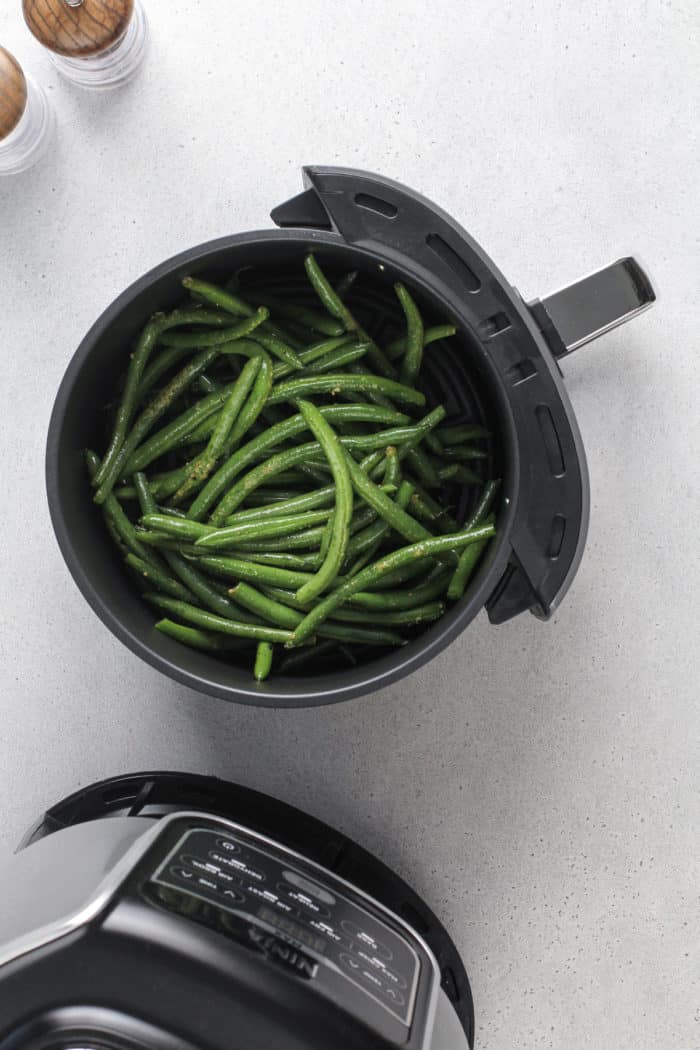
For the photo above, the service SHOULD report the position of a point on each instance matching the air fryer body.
(185, 928)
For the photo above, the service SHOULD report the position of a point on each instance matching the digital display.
(292, 929)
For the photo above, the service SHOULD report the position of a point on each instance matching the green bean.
(371, 537)
(180, 528)
(276, 434)
(117, 521)
(285, 597)
(183, 426)
(149, 417)
(222, 337)
(465, 568)
(336, 383)
(270, 496)
(310, 539)
(265, 608)
(346, 632)
(315, 352)
(298, 477)
(158, 579)
(402, 575)
(412, 359)
(154, 538)
(211, 293)
(422, 431)
(279, 349)
(253, 406)
(459, 473)
(274, 468)
(230, 303)
(207, 620)
(401, 617)
(358, 368)
(299, 658)
(193, 580)
(265, 471)
(312, 319)
(263, 661)
(342, 513)
(161, 364)
(424, 549)
(127, 405)
(162, 485)
(371, 540)
(424, 470)
(201, 467)
(362, 517)
(440, 514)
(430, 335)
(440, 520)
(196, 639)
(345, 355)
(397, 518)
(282, 559)
(418, 594)
(282, 615)
(466, 565)
(144, 494)
(337, 308)
(199, 315)
(460, 453)
(233, 535)
(484, 504)
(253, 572)
(295, 505)
(455, 435)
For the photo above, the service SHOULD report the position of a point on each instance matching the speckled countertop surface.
(537, 782)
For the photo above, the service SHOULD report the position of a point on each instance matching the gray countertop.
(537, 782)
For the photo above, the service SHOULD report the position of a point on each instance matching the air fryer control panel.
(369, 966)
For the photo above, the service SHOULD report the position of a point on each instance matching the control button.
(331, 933)
(227, 860)
(209, 868)
(285, 907)
(394, 996)
(366, 939)
(306, 886)
(353, 965)
(303, 900)
(269, 896)
(229, 845)
(243, 869)
(182, 873)
(371, 978)
(232, 896)
(207, 884)
(381, 968)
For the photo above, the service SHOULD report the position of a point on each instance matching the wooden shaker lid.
(13, 93)
(77, 28)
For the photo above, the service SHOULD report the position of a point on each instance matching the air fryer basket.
(501, 369)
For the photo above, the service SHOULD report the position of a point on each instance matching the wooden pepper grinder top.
(26, 119)
(13, 93)
(95, 43)
(77, 28)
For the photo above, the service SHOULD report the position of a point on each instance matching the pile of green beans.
(276, 484)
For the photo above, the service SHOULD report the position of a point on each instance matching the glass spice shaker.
(26, 119)
(98, 44)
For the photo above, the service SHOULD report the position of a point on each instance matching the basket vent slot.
(455, 262)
